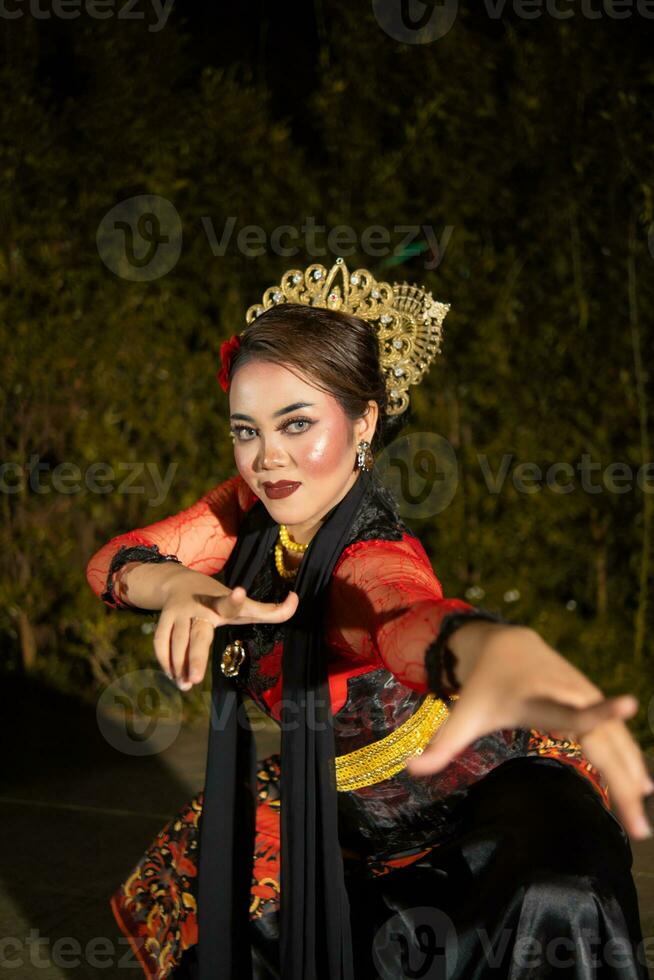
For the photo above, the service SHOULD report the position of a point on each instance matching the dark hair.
(338, 351)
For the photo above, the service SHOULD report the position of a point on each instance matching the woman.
(380, 841)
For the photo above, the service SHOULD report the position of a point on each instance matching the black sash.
(315, 937)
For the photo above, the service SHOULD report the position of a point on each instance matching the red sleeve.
(201, 536)
(388, 602)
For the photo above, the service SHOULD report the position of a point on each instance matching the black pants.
(534, 881)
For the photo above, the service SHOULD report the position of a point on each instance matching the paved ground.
(77, 814)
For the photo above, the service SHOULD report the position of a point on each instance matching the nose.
(271, 456)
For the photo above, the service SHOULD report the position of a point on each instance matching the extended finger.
(272, 612)
(634, 758)
(200, 642)
(550, 715)
(161, 642)
(624, 771)
(630, 754)
(179, 641)
(230, 606)
(626, 794)
(611, 709)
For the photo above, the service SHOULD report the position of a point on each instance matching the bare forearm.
(467, 643)
(148, 585)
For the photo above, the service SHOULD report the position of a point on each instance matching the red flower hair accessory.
(227, 350)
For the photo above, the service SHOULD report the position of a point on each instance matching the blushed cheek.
(245, 458)
(325, 453)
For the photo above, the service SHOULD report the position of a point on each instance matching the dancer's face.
(285, 429)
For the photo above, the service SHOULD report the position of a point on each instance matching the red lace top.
(385, 603)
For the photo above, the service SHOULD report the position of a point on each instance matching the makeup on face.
(293, 444)
(276, 491)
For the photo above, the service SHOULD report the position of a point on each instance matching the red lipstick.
(283, 488)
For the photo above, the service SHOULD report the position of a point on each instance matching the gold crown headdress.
(407, 319)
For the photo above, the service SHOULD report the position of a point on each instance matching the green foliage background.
(530, 140)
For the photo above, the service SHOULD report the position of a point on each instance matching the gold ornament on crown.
(407, 319)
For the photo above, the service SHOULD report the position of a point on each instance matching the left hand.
(519, 681)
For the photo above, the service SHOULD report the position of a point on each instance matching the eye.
(239, 432)
(306, 422)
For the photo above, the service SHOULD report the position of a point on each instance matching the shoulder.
(406, 547)
(403, 563)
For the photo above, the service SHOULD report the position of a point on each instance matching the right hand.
(182, 644)
(518, 681)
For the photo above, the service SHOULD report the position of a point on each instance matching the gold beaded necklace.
(285, 542)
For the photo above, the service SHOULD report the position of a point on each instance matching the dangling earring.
(365, 459)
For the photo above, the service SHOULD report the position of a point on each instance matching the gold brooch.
(232, 658)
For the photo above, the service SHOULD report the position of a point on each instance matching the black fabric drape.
(532, 882)
(315, 936)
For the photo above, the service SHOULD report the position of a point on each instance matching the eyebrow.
(280, 411)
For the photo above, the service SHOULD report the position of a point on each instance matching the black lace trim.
(125, 554)
(378, 516)
(440, 662)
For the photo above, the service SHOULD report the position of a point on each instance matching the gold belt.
(387, 756)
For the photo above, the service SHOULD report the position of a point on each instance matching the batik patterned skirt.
(532, 879)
